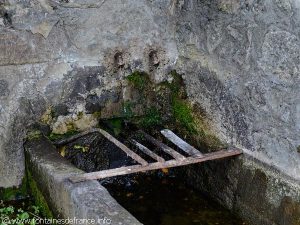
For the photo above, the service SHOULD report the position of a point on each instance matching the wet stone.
(289, 211)
(95, 103)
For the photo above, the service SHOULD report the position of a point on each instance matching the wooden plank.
(163, 147)
(154, 166)
(181, 143)
(123, 147)
(147, 151)
(119, 144)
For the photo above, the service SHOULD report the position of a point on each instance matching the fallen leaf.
(63, 151)
(129, 195)
(165, 170)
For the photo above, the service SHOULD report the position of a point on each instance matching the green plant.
(8, 194)
(151, 118)
(116, 125)
(138, 79)
(54, 137)
(182, 114)
(18, 215)
(127, 110)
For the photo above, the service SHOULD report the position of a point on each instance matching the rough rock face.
(241, 63)
(239, 59)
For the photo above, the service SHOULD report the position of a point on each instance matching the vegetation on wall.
(30, 205)
(166, 105)
(153, 106)
(20, 214)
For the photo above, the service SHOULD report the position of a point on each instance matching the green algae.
(152, 118)
(138, 79)
(39, 199)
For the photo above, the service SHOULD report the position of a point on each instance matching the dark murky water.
(158, 199)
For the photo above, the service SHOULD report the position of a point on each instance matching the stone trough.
(81, 201)
(257, 193)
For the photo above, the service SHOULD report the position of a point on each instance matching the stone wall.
(239, 59)
(241, 63)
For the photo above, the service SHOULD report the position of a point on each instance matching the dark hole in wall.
(6, 15)
(153, 60)
(118, 60)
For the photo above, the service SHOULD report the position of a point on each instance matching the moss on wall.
(39, 199)
(166, 105)
(140, 80)
(153, 106)
(28, 187)
(8, 194)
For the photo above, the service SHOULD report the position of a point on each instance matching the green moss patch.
(34, 134)
(39, 199)
(182, 114)
(166, 105)
(139, 80)
(152, 118)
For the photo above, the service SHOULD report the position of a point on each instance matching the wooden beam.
(123, 147)
(181, 143)
(163, 147)
(147, 151)
(154, 166)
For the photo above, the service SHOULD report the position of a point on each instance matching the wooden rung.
(153, 166)
(163, 147)
(123, 147)
(147, 151)
(181, 143)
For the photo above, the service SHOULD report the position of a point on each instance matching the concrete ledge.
(86, 200)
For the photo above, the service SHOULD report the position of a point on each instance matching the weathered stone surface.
(4, 91)
(86, 200)
(239, 60)
(241, 63)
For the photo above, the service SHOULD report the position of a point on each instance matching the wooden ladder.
(194, 155)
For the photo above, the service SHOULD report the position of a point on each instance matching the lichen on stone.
(47, 117)
(79, 122)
